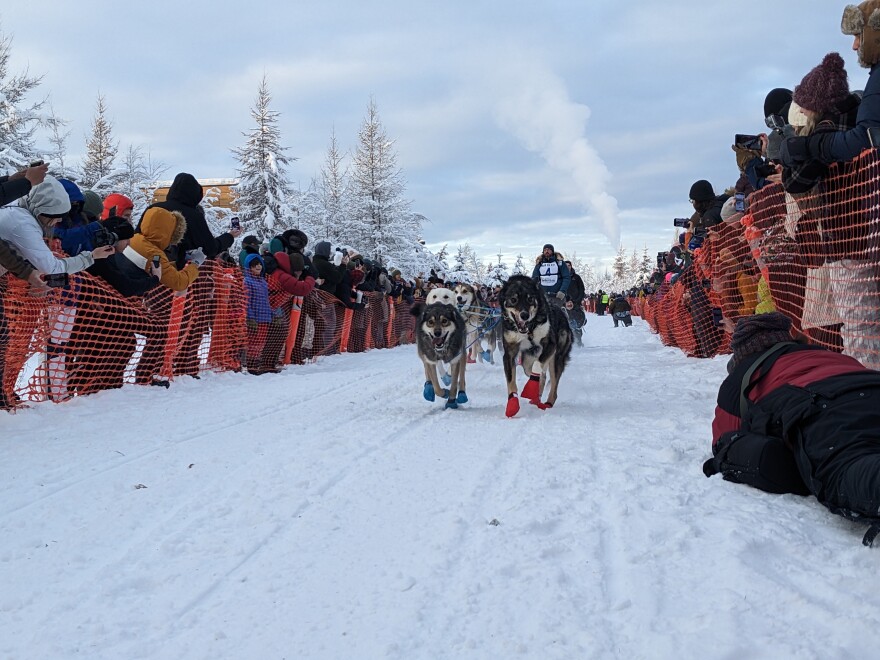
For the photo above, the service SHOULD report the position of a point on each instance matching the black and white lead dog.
(440, 341)
(539, 333)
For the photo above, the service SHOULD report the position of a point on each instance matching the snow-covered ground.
(331, 512)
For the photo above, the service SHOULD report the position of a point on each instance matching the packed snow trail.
(331, 512)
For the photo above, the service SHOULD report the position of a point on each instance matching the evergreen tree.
(646, 267)
(100, 149)
(618, 269)
(632, 270)
(497, 274)
(57, 157)
(519, 268)
(263, 193)
(334, 194)
(459, 271)
(18, 121)
(383, 223)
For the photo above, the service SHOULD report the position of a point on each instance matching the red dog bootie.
(530, 391)
(512, 405)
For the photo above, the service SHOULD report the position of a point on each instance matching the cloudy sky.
(582, 123)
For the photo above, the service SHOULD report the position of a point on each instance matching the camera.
(235, 222)
(104, 236)
(156, 261)
(751, 142)
(681, 222)
(717, 316)
(739, 203)
(775, 122)
(700, 232)
(57, 281)
(37, 163)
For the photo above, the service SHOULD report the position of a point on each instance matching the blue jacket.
(78, 237)
(258, 307)
(553, 276)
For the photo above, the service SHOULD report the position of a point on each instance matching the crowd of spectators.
(795, 232)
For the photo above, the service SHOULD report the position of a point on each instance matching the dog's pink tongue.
(438, 341)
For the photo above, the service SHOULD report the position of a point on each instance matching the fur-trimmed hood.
(864, 20)
(557, 256)
(162, 227)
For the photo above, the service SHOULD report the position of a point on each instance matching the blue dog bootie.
(428, 391)
(447, 380)
(451, 404)
(462, 397)
(486, 355)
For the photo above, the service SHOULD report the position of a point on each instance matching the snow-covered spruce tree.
(18, 121)
(618, 269)
(646, 267)
(263, 192)
(57, 156)
(337, 222)
(384, 225)
(100, 148)
(497, 274)
(519, 268)
(310, 215)
(632, 270)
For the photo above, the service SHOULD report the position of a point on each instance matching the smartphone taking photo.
(235, 222)
(750, 142)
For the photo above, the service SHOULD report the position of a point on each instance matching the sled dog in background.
(538, 332)
(440, 337)
(477, 318)
(440, 295)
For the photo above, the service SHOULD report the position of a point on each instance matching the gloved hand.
(197, 256)
(794, 150)
(560, 295)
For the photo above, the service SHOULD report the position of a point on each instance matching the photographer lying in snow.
(797, 418)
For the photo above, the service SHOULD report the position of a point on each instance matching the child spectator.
(259, 311)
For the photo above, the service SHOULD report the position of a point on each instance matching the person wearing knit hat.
(800, 419)
(93, 207)
(552, 274)
(862, 22)
(702, 191)
(757, 333)
(823, 88)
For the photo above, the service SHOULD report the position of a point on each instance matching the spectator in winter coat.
(74, 230)
(552, 274)
(620, 311)
(259, 310)
(862, 22)
(294, 241)
(805, 421)
(331, 273)
(118, 270)
(184, 196)
(285, 282)
(249, 245)
(159, 229)
(707, 204)
(23, 226)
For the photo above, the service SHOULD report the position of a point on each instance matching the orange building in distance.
(225, 188)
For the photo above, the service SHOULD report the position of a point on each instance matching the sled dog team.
(452, 323)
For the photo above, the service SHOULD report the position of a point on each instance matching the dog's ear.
(416, 310)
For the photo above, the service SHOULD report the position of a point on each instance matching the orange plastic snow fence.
(812, 256)
(87, 337)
